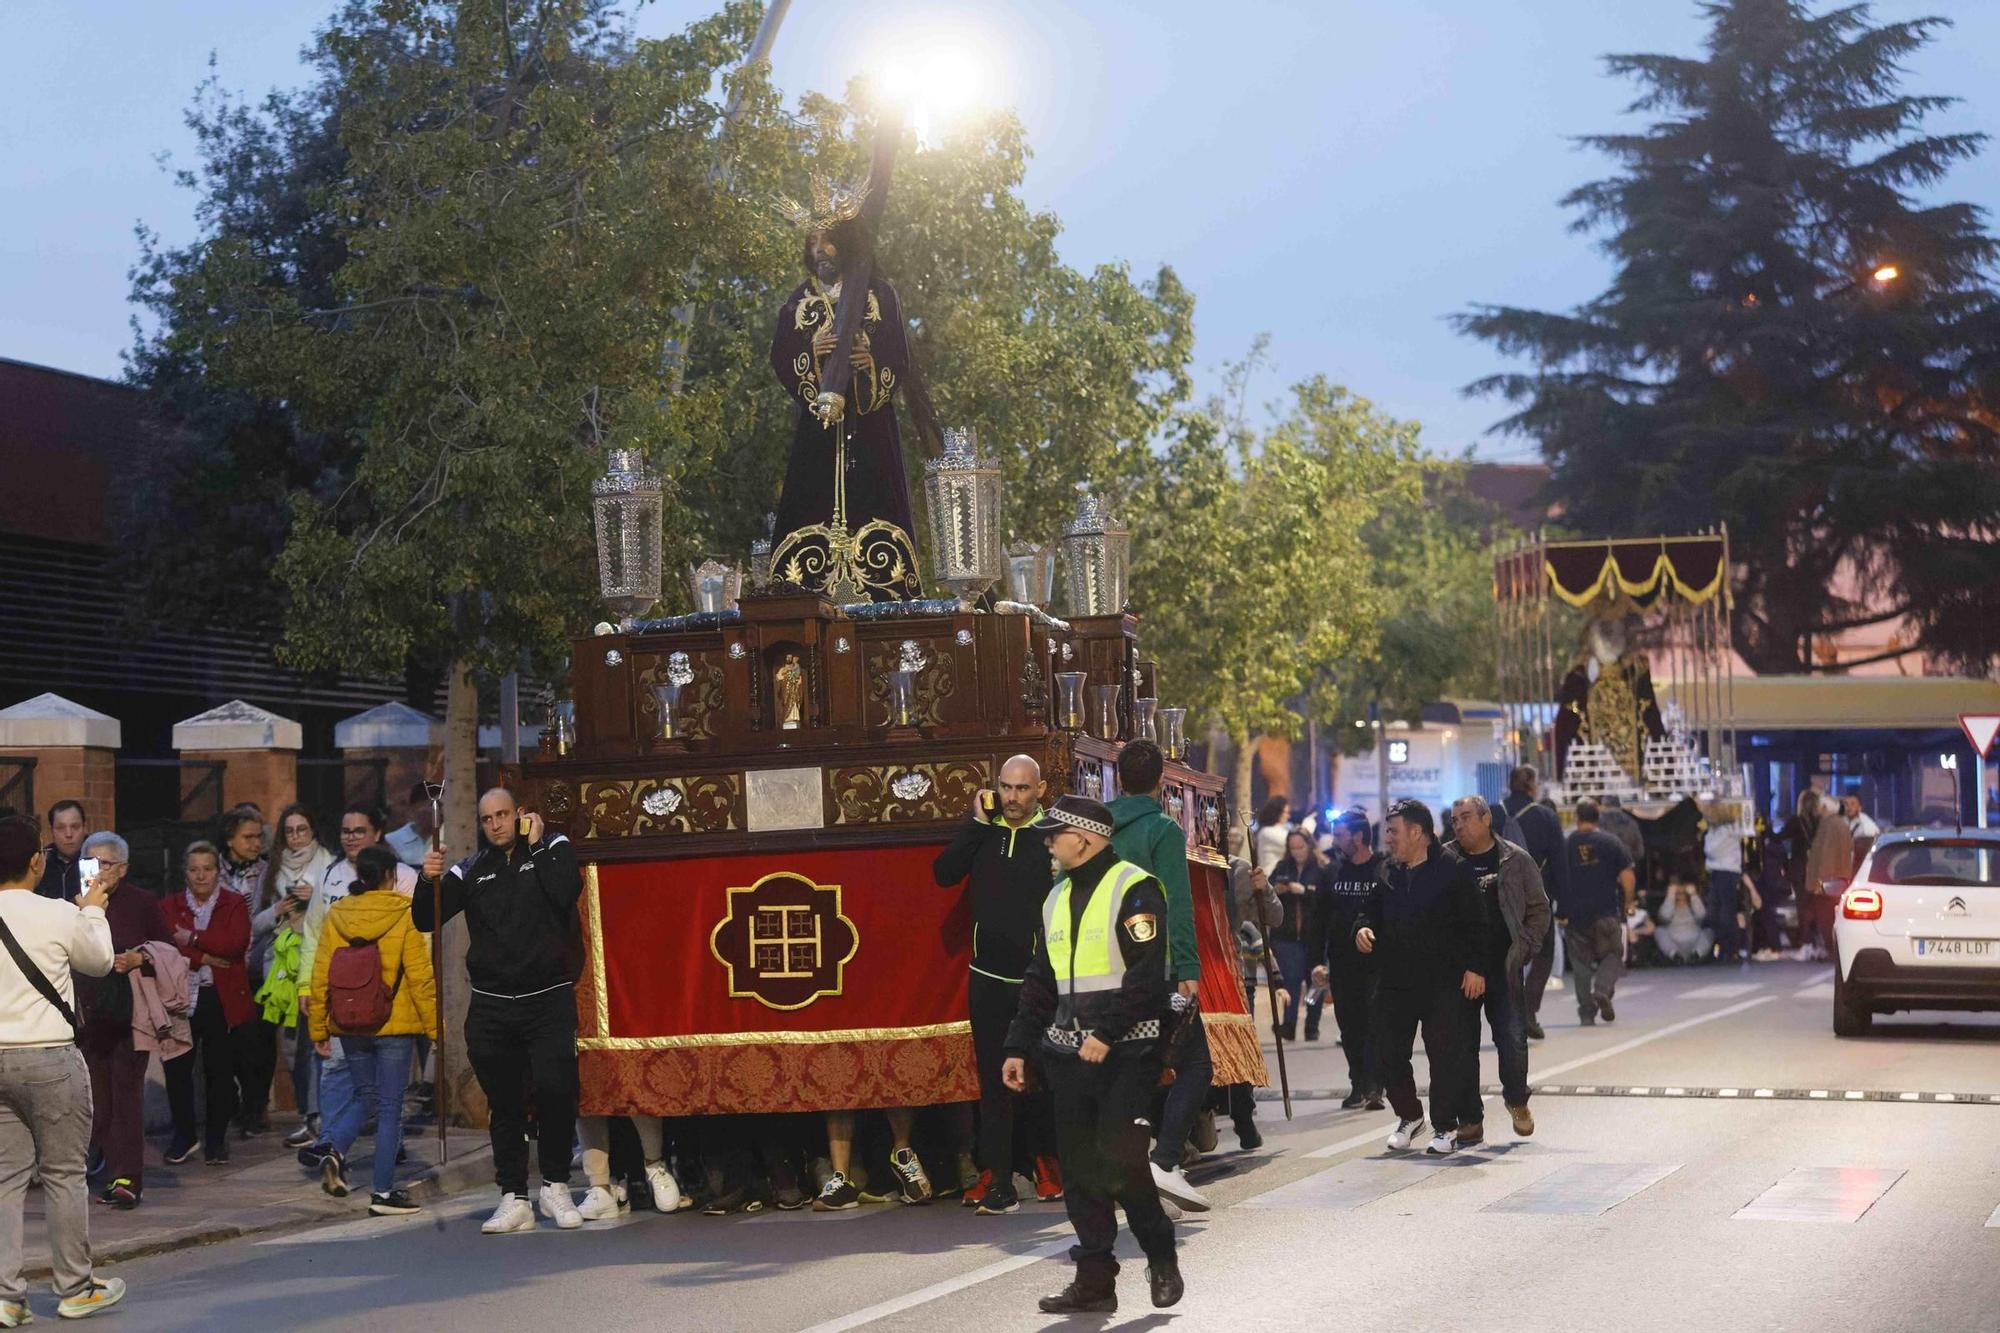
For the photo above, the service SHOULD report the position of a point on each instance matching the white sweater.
(57, 936)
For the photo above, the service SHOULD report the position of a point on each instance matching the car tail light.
(1861, 905)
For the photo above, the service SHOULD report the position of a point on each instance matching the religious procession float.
(1616, 671)
(758, 788)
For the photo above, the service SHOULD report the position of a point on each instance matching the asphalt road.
(1715, 1159)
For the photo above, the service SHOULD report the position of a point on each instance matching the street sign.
(1980, 728)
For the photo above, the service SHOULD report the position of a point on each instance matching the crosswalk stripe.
(1821, 1194)
(1583, 1189)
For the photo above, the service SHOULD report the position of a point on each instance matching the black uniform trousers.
(1354, 983)
(1440, 1009)
(1014, 1128)
(511, 1042)
(1102, 1131)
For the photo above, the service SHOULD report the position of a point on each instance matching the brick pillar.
(261, 749)
(410, 743)
(75, 750)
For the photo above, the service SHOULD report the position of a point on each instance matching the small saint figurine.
(789, 681)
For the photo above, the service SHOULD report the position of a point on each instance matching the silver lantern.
(627, 504)
(716, 586)
(1031, 574)
(1097, 555)
(962, 492)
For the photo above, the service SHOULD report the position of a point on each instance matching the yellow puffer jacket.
(382, 915)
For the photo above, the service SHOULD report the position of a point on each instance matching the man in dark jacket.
(1005, 867)
(523, 953)
(1424, 924)
(60, 876)
(1348, 884)
(1598, 892)
(1517, 918)
(1094, 1002)
(1542, 838)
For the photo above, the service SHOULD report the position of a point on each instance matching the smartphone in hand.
(86, 870)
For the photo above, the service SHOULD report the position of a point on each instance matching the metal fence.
(17, 783)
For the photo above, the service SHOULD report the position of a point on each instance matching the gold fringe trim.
(698, 1039)
(1608, 578)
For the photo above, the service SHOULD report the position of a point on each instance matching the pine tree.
(1793, 343)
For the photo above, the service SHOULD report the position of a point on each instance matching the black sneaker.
(997, 1200)
(1534, 1029)
(1375, 1100)
(310, 1156)
(1248, 1137)
(721, 1205)
(178, 1153)
(120, 1193)
(1166, 1284)
(217, 1156)
(333, 1174)
(396, 1203)
(251, 1129)
(1604, 1009)
(1354, 1100)
(302, 1137)
(95, 1162)
(837, 1195)
(1079, 1299)
(911, 1182)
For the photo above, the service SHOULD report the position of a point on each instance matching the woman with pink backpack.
(372, 991)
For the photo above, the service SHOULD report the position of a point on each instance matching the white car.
(1919, 927)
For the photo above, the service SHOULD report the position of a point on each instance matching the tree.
(1429, 552)
(1252, 576)
(1792, 344)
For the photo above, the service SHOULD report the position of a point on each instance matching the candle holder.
(1069, 700)
(1106, 728)
(667, 702)
(1144, 726)
(902, 697)
(1173, 732)
(564, 716)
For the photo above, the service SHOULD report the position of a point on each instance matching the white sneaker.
(666, 1190)
(1443, 1144)
(599, 1205)
(101, 1294)
(559, 1207)
(1173, 1185)
(1556, 983)
(513, 1214)
(1407, 1132)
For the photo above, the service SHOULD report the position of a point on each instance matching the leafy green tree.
(1429, 551)
(1746, 366)
(1252, 574)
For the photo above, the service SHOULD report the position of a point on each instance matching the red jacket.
(227, 938)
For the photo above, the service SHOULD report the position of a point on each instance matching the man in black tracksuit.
(1542, 838)
(1346, 888)
(1005, 866)
(524, 952)
(1425, 925)
(1095, 1003)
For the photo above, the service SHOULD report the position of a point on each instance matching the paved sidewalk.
(262, 1189)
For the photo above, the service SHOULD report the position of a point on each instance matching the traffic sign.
(1980, 728)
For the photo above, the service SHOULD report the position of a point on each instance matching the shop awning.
(1878, 703)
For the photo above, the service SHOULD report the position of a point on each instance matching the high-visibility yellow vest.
(1088, 963)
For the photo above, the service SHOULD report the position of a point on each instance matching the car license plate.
(1929, 948)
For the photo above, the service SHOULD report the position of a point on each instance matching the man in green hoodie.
(1154, 841)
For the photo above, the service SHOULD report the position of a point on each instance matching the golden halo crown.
(832, 204)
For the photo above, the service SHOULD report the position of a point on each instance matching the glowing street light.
(1886, 274)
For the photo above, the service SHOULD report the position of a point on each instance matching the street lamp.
(1886, 274)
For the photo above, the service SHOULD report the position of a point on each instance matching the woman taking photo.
(212, 930)
(301, 863)
(372, 988)
(1297, 880)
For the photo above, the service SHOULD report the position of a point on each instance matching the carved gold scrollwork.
(709, 803)
(870, 795)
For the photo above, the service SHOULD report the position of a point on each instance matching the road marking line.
(1816, 984)
(1764, 1092)
(925, 1295)
(1722, 990)
(1818, 1092)
(1854, 1096)
(1671, 1029)
(1994, 1221)
(1727, 1092)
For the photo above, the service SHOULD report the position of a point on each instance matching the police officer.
(1095, 995)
